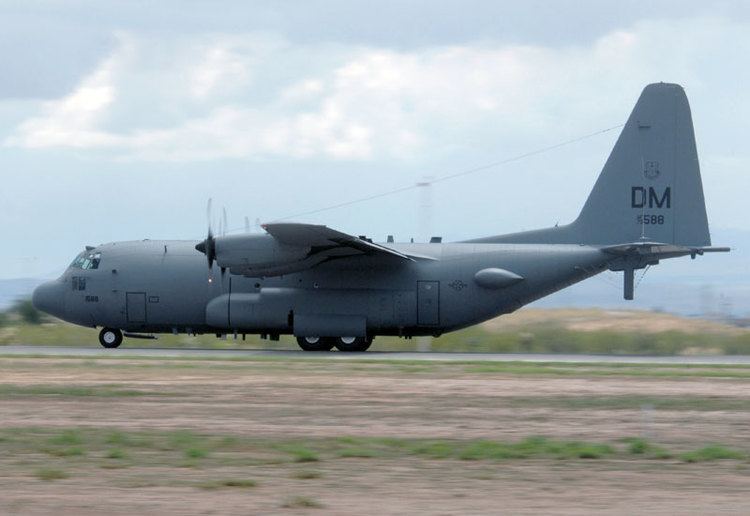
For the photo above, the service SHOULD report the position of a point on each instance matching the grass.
(535, 447)
(299, 452)
(642, 447)
(71, 451)
(93, 448)
(471, 450)
(196, 453)
(67, 437)
(116, 453)
(306, 474)
(193, 446)
(550, 337)
(351, 366)
(357, 452)
(633, 402)
(712, 452)
(243, 483)
(49, 474)
(302, 502)
(12, 390)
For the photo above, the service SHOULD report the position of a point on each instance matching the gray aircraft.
(330, 289)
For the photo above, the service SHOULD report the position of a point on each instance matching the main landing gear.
(110, 337)
(346, 344)
(315, 343)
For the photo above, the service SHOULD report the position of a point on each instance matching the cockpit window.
(87, 261)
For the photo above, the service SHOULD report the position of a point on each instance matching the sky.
(119, 120)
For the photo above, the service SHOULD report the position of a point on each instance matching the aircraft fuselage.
(165, 286)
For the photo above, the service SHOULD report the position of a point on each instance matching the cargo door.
(428, 303)
(135, 303)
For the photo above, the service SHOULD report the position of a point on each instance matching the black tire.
(353, 344)
(315, 343)
(110, 337)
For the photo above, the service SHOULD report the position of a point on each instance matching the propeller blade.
(208, 246)
(209, 214)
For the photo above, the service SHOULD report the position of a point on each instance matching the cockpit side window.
(95, 259)
(87, 261)
(78, 261)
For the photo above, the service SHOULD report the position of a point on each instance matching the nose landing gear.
(110, 337)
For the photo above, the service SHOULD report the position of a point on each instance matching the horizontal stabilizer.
(660, 250)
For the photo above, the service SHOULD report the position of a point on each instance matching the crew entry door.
(428, 303)
(136, 307)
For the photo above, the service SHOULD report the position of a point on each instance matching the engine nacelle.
(257, 255)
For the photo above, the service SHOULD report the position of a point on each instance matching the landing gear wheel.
(315, 343)
(110, 337)
(353, 344)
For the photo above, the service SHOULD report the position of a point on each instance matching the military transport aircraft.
(330, 289)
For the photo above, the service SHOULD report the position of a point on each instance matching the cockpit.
(87, 260)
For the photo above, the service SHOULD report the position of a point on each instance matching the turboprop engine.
(254, 255)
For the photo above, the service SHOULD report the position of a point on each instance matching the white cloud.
(257, 96)
(72, 120)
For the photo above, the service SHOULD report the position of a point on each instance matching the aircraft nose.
(48, 297)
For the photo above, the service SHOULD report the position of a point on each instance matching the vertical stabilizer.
(650, 188)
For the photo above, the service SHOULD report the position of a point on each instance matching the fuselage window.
(78, 283)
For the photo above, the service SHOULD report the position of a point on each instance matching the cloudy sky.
(118, 120)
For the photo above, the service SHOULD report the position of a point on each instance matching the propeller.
(208, 246)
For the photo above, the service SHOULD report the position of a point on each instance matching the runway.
(23, 350)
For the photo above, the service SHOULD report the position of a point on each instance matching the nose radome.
(48, 297)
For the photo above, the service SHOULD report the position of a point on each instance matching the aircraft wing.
(292, 247)
(322, 239)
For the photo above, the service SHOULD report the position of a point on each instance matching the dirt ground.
(305, 399)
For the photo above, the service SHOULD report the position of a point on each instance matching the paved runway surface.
(370, 355)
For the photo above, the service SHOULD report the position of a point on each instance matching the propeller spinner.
(208, 247)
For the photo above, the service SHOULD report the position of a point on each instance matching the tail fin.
(650, 188)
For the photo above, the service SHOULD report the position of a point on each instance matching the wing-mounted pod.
(288, 248)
